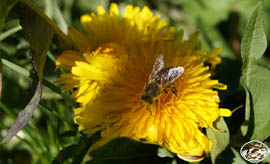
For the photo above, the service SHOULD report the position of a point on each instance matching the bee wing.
(171, 75)
(158, 65)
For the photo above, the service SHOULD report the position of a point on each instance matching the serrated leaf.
(231, 156)
(220, 140)
(237, 157)
(125, 150)
(256, 77)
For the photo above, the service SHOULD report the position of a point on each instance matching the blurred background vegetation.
(51, 137)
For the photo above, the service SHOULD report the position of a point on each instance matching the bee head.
(147, 99)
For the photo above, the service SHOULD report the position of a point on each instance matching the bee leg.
(157, 102)
(148, 108)
(174, 91)
(151, 113)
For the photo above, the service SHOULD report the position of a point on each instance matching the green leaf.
(76, 150)
(162, 152)
(231, 156)
(38, 34)
(40, 38)
(60, 39)
(25, 115)
(79, 158)
(5, 7)
(255, 77)
(53, 11)
(254, 39)
(9, 32)
(125, 150)
(39, 31)
(66, 153)
(1, 79)
(218, 10)
(237, 157)
(220, 140)
(174, 161)
(47, 83)
(69, 133)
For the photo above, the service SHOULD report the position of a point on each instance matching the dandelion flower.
(136, 26)
(111, 67)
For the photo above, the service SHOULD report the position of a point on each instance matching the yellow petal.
(100, 10)
(114, 9)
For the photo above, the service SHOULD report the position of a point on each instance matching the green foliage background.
(51, 136)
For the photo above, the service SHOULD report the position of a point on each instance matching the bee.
(160, 79)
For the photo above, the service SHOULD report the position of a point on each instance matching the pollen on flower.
(111, 69)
